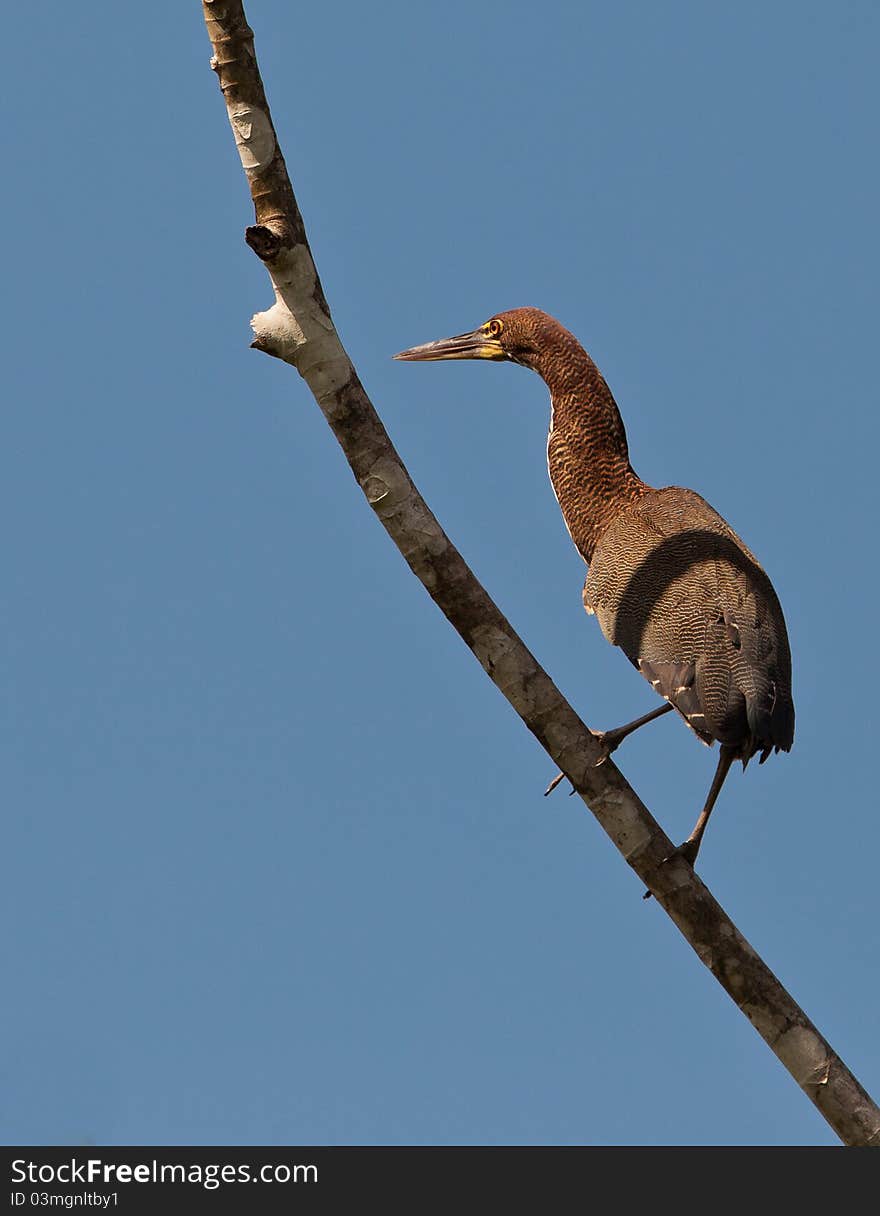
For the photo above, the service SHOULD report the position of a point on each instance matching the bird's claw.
(607, 744)
(553, 784)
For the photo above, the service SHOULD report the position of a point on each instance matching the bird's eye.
(494, 327)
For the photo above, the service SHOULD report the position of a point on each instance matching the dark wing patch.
(676, 683)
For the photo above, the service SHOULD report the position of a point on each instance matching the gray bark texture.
(299, 330)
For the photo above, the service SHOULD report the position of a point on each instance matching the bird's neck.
(587, 452)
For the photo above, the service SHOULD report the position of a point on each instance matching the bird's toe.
(553, 784)
(607, 741)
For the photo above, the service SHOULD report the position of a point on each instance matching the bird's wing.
(674, 587)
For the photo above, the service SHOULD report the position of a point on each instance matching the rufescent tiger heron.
(670, 582)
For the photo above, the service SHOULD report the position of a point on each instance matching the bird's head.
(519, 335)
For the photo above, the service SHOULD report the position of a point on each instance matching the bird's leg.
(610, 740)
(691, 846)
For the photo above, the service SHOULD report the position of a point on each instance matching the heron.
(668, 579)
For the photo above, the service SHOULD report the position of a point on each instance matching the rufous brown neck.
(587, 453)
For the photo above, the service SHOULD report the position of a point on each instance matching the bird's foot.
(608, 741)
(688, 850)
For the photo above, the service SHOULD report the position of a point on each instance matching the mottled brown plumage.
(676, 589)
(669, 580)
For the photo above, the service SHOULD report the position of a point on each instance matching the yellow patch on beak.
(475, 345)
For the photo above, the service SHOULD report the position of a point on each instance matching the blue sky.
(278, 868)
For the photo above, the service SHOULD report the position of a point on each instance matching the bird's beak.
(476, 345)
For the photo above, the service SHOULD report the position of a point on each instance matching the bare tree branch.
(299, 330)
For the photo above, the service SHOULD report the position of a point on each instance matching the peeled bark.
(298, 329)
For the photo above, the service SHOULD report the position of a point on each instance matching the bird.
(669, 581)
